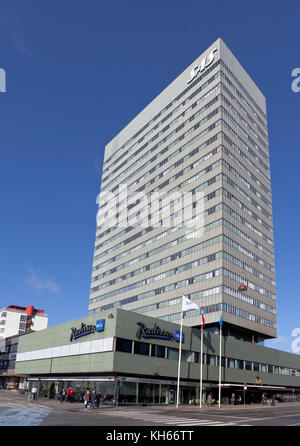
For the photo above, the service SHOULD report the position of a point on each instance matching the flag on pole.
(202, 313)
(188, 304)
(221, 320)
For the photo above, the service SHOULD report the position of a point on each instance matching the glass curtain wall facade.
(204, 136)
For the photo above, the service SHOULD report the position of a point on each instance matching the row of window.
(245, 146)
(251, 213)
(187, 183)
(166, 220)
(7, 364)
(187, 266)
(200, 246)
(263, 122)
(227, 152)
(236, 173)
(212, 225)
(150, 253)
(170, 114)
(150, 172)
(228, 309)
(244, 121)
(161, 174)
(246, 135)
(160, 351)
(9, 348)
(152, 149)
(199, 79)
(224, 289)
(177, 255)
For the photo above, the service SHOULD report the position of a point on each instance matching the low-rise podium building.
(142, 353)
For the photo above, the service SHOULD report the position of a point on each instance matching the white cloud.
(37, 283)
(279, 340)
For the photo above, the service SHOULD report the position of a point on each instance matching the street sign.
(245, 386)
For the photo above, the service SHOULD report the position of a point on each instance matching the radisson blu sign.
(158, 333)
(86, 329)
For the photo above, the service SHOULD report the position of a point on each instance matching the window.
(263, 367)
(196, 356)
(23, 318)
(223, 361)
(172, 353)
(248, 365)
(256, 366)
(239, 364)
(123, 345)
(211, 360)
(158, 351)
(4, 314)
(270, 368)
(187, 356)
(141, 348)
(231, 363)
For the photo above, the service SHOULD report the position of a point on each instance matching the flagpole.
(220, 359)
(179, 360)
(201, 360)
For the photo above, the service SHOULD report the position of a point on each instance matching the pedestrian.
(94, 399)
(233, 399)
(86, 399)
(68, 394)
(98, 399)
(240, 400)
(72, 394)
(34, 391)
(209, 400)
(62, 395)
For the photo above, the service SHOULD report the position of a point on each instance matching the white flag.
(188, 304)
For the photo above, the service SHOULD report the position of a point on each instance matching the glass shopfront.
(128, 391)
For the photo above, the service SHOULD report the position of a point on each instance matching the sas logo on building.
(203, 64)
(86, 329)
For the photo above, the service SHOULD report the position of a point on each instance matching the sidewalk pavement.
(18, 398)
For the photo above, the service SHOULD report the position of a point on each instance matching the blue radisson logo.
(157, 332)
(86, 329)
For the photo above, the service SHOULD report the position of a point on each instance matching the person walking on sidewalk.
(94, 399)
(86, 399)
(62, 395)
(233, 399)
(34, 391)
(98, 399)
(209, 400)
(72, 394)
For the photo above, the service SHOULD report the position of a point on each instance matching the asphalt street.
(15, 410)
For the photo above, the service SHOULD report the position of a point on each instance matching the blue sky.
(77, 73)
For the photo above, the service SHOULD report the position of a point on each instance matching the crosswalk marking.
(19, 415)
(24, 406)
(168, 420)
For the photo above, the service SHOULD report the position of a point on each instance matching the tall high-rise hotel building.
(206, 135)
